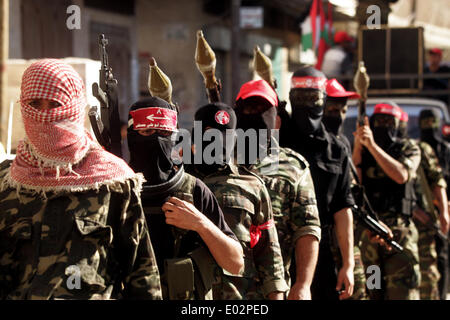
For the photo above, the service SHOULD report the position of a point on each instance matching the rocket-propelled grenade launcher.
(159, 84)
(361, 83)
(263, 67)
(205, 60)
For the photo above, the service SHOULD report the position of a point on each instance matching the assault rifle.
(369, 219)
(106, 125)
(427, 221)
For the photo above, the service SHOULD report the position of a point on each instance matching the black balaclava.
(307, 103)
(429, 127)
(222, 117)
(402, 130)
(265, 119)
(384, 136)
(334, 119)
(151, 155)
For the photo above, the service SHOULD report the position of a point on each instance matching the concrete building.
(165, 30)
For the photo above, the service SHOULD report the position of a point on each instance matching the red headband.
(154, 118)
(385, 108)
(309, 83)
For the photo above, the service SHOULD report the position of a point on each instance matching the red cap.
(446, 130)
(334, 89)
(391, 110)
(435, 51)
(404, 117)
(342, 36)
(258, 88)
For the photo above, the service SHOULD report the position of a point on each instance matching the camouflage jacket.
(291, 189)
(433, 174)
(245, 203)
(82, 245)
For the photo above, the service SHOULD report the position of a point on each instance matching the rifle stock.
(427, 220)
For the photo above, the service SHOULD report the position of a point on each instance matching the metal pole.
(235, 48)
(4, 39)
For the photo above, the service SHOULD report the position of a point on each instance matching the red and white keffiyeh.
(57, 152)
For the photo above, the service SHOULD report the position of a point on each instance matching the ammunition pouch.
(409, 200)
(191, 277)
(205, 266)
(180, 279)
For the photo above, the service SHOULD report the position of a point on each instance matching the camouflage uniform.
(293, 198)
(99, 237)
(400, 271)
(245, 203)
(429, 289)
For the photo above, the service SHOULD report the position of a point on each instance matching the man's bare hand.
(364, 134)
(299, 292)
(374, 238)
(182, 214)
(345, 282)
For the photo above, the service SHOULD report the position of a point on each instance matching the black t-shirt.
(162, 235)
(330, 171)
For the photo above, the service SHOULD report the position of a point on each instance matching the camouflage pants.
(359, 289)
(429, 289)
(400, 273)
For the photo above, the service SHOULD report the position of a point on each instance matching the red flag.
(313, 18)
(322, 47)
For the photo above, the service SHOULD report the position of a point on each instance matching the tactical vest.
(385, 195)
(189, 271)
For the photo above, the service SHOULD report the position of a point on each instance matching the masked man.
(334, 115)
(71, 223)
(329, 165)
(245, 202)
(429, 124)
(387, 168)
(288, 180)
(189, 232)
(429, 187)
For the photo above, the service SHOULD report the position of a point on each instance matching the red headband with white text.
(154, 118)
(309, 83)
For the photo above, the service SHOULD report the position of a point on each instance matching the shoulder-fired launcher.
(263, 67)
(159, 84)
(205, 60)
(361, 83)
